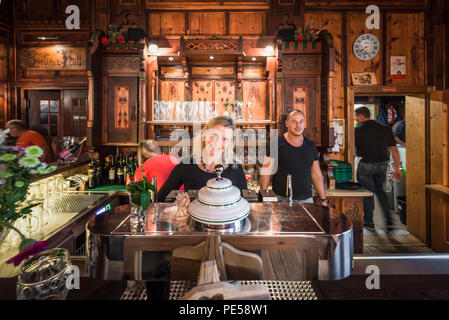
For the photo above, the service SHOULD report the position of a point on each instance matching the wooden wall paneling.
(333, 23)
(405, 37)
(438, 57)
(224, 92)
(207, 23)
(155, 24)
(173, 23)
(354, 28)
(203, 90)
(436, 132)
(416, 162)
(172, 90)
(255, 92)
(250, 23)
(439, 211)
(172, 72)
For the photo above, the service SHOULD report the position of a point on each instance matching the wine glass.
(226, 109)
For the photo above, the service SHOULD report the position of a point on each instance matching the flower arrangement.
(18, 167)
(140, 192)
(115, 33)
(309, 34)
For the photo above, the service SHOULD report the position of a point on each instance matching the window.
(79, 116)
(48, 114)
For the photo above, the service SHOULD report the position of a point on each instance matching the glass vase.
(44, 276)
(137, 218)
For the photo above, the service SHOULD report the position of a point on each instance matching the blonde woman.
(155, 164)
(215, 146)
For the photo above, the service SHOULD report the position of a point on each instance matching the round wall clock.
(366, 46)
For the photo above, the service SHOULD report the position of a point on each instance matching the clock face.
(366, 46)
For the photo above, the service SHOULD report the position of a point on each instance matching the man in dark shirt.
(297, 156)
(373, 142)
(399, 132)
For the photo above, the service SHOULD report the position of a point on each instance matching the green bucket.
(342, 171)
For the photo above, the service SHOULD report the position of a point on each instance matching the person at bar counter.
(216, 148)
(297, 156)
(27, 138)
(373, 142)
(154, 163)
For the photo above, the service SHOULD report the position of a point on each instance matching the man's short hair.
(363, 111)
(294, 111)
(16, 123)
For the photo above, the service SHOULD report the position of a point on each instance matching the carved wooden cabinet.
(121, 95)
(305, 73)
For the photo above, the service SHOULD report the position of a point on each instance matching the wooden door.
(74, 111)
(44, 112)
(303, 93)
(415, 115)
(120, 121)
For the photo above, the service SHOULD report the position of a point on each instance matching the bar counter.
(114, 252)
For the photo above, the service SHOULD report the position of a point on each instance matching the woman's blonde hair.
(224, 121)
(147, 149)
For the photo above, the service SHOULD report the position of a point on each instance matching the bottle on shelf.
(70, 150)
(111, 171)
(120, 176)
(98, 173)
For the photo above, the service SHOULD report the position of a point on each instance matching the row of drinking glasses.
(197, 110)
(44, 192)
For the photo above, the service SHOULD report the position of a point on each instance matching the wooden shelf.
(191, 123)
(438, 187)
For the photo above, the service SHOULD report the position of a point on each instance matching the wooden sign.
(53, 58)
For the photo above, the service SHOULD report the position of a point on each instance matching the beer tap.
(289, 189)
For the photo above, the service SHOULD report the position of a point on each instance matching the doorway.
(415, 110)
(389, 111)
(57, 113)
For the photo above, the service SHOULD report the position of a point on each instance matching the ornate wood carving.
(201, 44)
(121, 64)
(121, 119)
(302, 64)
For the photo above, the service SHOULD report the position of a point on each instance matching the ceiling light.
(254, 58)
(170, 58)
(211, 57)
(269, 50)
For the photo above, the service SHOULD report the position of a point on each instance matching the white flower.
(3, 134)
(34, 151)
(29, 162)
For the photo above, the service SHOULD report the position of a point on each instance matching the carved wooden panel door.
(203, 90)
(120, 123)
(303, 93)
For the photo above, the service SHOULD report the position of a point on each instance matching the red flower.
(105, 41)
(32, 250)
(120, 38)
(300, 38)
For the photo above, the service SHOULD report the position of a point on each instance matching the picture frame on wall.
(398, 67)
(363, 78)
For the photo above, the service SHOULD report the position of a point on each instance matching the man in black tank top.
(297, 156)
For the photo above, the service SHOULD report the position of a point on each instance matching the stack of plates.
(219, 203)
